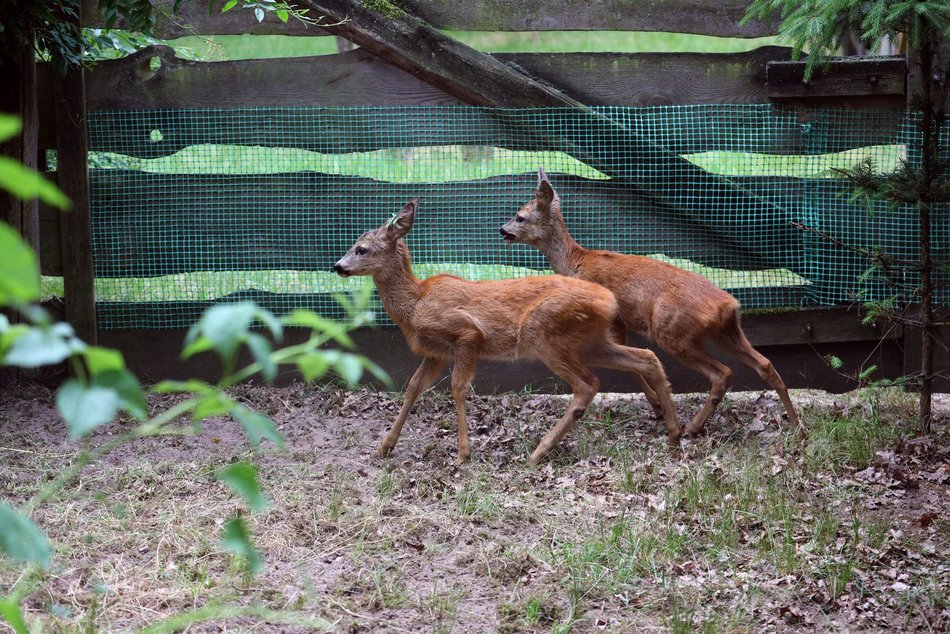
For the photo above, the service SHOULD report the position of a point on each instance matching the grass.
(236, 47)
(738, 533)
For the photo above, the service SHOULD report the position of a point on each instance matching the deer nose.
(338, 268)
(507, 235)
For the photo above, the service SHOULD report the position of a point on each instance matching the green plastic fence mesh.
(192, 207)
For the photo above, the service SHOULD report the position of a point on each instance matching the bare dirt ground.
(749, 529)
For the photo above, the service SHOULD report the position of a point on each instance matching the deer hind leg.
(584, 385)
(424, 376)
(739, 346)
(462, 371)
(618, 334)
(647, 368)
(720, 379)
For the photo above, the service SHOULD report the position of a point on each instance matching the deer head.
(375, 250)
(532, 224)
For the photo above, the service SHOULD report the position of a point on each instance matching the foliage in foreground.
(102, 390)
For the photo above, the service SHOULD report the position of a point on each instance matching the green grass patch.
(887, 158)
(237, 47)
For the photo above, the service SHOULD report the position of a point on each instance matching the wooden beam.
(76, 227)
(720, 18)
(843, 77)
(18, 84)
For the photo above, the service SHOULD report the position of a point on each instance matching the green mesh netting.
(192, 207)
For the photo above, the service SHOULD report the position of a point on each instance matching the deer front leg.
(424, 376)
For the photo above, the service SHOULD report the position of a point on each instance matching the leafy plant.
(102, 388)
(922, 184)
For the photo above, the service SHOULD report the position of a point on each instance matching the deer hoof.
(461, 459)
(384, 450)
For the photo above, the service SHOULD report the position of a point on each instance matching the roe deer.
(678, 309)
(568, 324)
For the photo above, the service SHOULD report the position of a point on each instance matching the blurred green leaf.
(85, 407)
(41, 346)
(312, 366)
(127, 387)
(230, 4)
(377, 371)
(242, 478)
(10, 126)
(350, 368)
(235, 538)
(213, 403)
(225, 326)
(100, 359)
(178, 387)
(21, 539)
(257, 426)
(261, 351)
(199, 345)
(26, 184)
(19, 271)
(11, 613)
(317, 323)
(283, 14)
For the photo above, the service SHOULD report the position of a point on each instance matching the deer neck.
(560, 249)
(398, 288)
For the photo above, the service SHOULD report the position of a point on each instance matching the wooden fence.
(405, 59)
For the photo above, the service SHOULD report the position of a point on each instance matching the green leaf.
(127, 387)
(199, 345)
(11, 613)
(283, 14)
(867, 373)
(10, 126)
(834, 362)
(230, 4)
(312, 366)
(38, 347)
(21, 539)
(242, 478)
(26, 184)
(257, 426)
(225, 325)
(350, 368)
(213, 403)
(235, 538)
(261, 351)
(259, 12)
(100, 359)
(377, 371)
(179, 387)
(318, 324)
(19, 271)
(85, 407)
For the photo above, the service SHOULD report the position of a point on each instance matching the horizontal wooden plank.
(154, 224)
(720, 18)
(356, 78)
(155, 355)
(843, 77)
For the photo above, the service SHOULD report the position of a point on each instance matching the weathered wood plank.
(844, 77)
(155, 354)
(720, 18)
(76, 226)
(359, 79)
(305, 221)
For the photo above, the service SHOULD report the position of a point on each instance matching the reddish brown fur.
(566, 323)
(678, 309)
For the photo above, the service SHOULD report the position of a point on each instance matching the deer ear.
(545, 193)
(541, 175)
(402, 222)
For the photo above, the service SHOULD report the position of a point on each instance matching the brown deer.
(678, 309)
(568, 324)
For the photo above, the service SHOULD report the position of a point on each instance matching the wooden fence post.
(76, 226)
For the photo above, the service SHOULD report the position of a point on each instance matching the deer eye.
(361, 250)
(519, 219)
